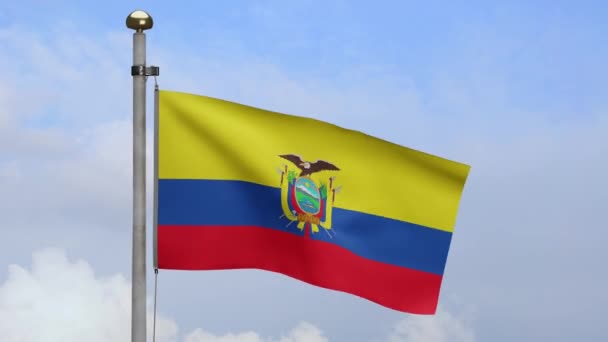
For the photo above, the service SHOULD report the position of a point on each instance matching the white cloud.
(304, 332)
(61, 300)
(442, 327)
(202, 336)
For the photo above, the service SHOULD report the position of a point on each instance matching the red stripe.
(315, 262)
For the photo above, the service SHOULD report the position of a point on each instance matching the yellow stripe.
(206, 138)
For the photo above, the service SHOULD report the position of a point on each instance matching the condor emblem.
(305, 199)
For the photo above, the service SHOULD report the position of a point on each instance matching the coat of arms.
(305, 199)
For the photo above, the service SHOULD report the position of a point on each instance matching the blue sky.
(514, 89)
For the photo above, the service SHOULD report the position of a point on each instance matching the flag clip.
(142, 70)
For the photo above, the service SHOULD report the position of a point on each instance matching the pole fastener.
(142, 70)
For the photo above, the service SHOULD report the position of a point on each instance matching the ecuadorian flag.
(239, 187)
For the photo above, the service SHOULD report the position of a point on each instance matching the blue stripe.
(237, 203)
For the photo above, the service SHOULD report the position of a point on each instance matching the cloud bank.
(62, 300)
(57, 299)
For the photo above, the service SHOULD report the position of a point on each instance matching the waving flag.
(239, 187)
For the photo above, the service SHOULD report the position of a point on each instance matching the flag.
(239, 187)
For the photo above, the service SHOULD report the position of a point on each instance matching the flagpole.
(139, 21)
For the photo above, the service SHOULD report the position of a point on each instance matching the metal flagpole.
(139, 21)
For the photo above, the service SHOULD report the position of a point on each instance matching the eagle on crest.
(307, 167)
